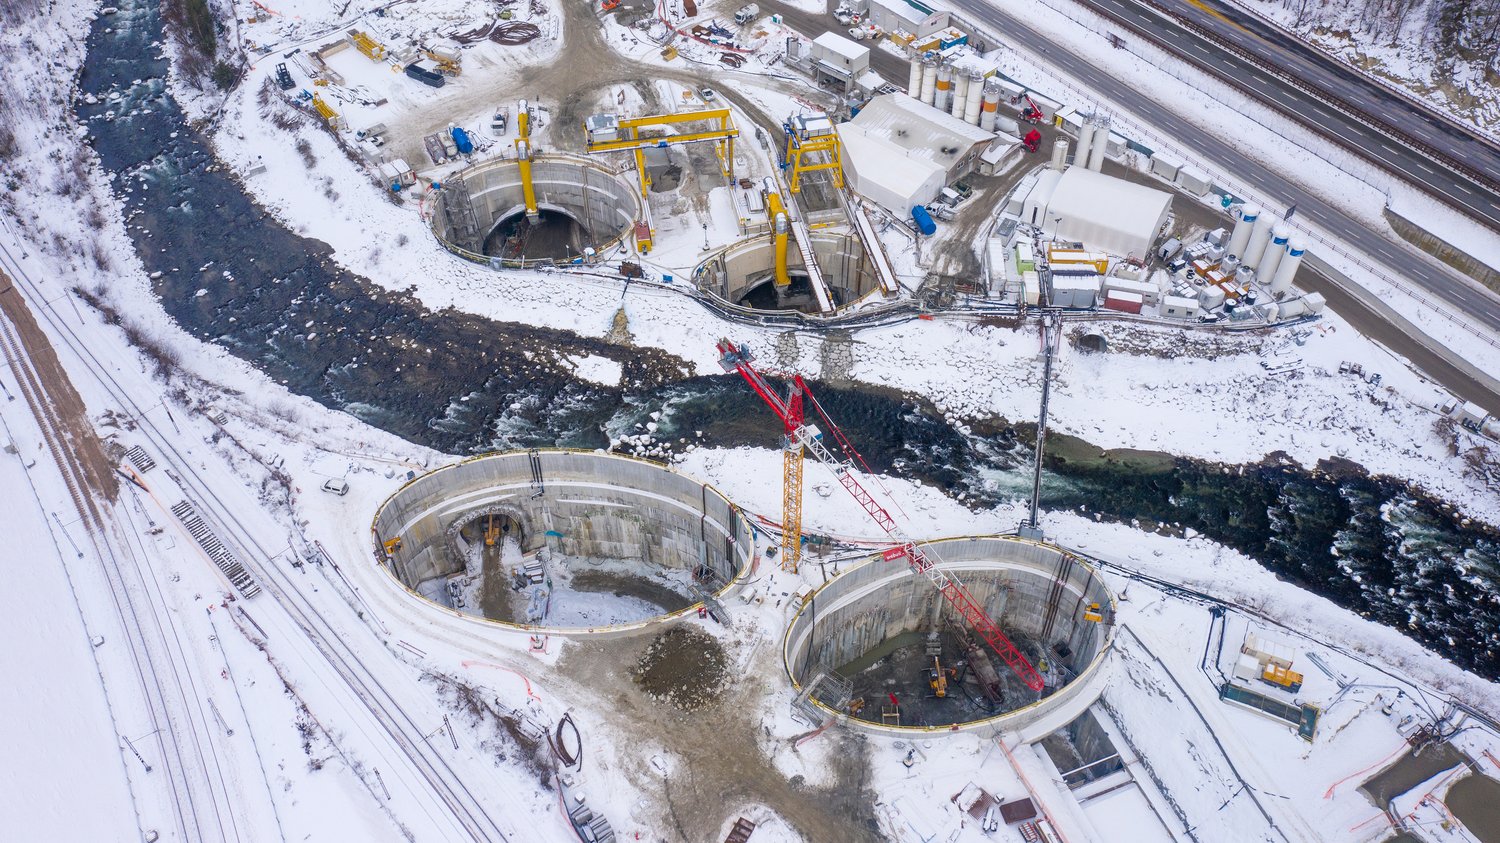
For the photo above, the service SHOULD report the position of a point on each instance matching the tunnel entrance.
(553, 234)
(763, 295)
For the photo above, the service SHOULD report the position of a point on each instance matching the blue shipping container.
(923, 220)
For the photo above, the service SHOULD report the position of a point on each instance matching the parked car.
(707, 94)
(336, 485)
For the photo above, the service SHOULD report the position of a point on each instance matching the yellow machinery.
(524, 155)
(1282, 677)
(392, 546)
(325, 111)
(938, 679)
(1092, 613)
(447, 59)
(780, 227)
(812, 144)
(374, 50)
(491, 532)
(611, 133)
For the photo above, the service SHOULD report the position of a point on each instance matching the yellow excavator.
(491, 532)
(781, 229)
(938, 679)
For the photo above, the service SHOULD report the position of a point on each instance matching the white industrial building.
(902, 16)
(1102, 212)
(899, 152)
(838, 62)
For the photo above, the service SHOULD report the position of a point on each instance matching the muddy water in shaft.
(232, 275)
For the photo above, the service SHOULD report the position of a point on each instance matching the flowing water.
(231, 275)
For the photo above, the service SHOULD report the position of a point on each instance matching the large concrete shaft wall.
(603, 203)
(592, 506)
(745, 265)
(1033, 590)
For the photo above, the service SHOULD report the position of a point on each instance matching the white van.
(336, 485)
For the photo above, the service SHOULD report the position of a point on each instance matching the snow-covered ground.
(342, 727)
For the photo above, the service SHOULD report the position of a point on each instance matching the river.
(232, 275)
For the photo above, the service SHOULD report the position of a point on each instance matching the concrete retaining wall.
(1012, 578)
(606, 205)
(592, 506)
(732, 273)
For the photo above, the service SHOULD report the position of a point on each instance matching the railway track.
(400, 726)
(197, 794)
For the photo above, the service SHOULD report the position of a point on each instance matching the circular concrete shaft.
(563, 541)
(583, 205)
(873, 626)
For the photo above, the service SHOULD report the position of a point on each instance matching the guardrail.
(1238, 191)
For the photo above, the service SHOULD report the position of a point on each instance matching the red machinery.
(1032, 141)
(1031, 113)
(736, 358)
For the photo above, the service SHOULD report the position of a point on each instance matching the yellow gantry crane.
(524, 154)
(812, 144)
(613, 133)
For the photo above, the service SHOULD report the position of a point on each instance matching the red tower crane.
(737, 358)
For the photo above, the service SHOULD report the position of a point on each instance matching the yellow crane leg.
(782, 230)
(791, 507)
(528, 190)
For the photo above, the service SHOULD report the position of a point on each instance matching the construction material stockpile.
(514, 33)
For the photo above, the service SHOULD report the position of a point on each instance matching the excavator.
(937, 678)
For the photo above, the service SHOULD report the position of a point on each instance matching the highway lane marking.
(1212, 12)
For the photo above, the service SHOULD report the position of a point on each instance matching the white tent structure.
(1105, 213)
(899, 152)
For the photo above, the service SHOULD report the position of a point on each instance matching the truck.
(500, 120)
(746, 14)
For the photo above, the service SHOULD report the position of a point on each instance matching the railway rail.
(404, 732)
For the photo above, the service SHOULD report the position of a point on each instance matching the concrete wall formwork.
(1034, 589)
(602, 202)
(592, 506)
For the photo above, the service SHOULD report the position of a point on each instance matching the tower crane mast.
(803, 436)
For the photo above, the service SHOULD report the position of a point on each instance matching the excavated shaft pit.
(742, 274)
(481, 211)
(872, 626)
(563, 541)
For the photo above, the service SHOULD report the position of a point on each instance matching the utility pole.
(1030, 529)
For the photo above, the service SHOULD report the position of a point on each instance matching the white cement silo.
(943, 97)
(1059, 153)
(960, 94)
(1085, 139)
(1275, 251)
(1244, 222)
(929, 80)
(1286, 271)
(1260, 235)
(1100, 144)
(914, 78)
(976, 94)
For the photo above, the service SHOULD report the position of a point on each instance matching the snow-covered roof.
(841, 46)
(887, 174)
(918, 128)
(1105, 213)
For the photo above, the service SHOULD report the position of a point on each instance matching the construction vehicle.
(491, 532)
(524, 154)
(937, 678)
(500, 120)
(1093, 614)
(392, 546)
(446, 56)
(284, 77)
(747, 13)
(1032, 113)
(1032, 141)
(609, 5)
(801, 436)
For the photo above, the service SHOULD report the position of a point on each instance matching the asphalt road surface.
(1474, 194)
(1459, 294)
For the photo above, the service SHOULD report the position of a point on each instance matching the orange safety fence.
(1328, 794)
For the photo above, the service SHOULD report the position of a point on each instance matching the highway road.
(1473, 192)
(1459, 294)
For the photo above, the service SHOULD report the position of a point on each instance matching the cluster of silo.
(965, 94)
(1093, 142)
(1267, 247)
